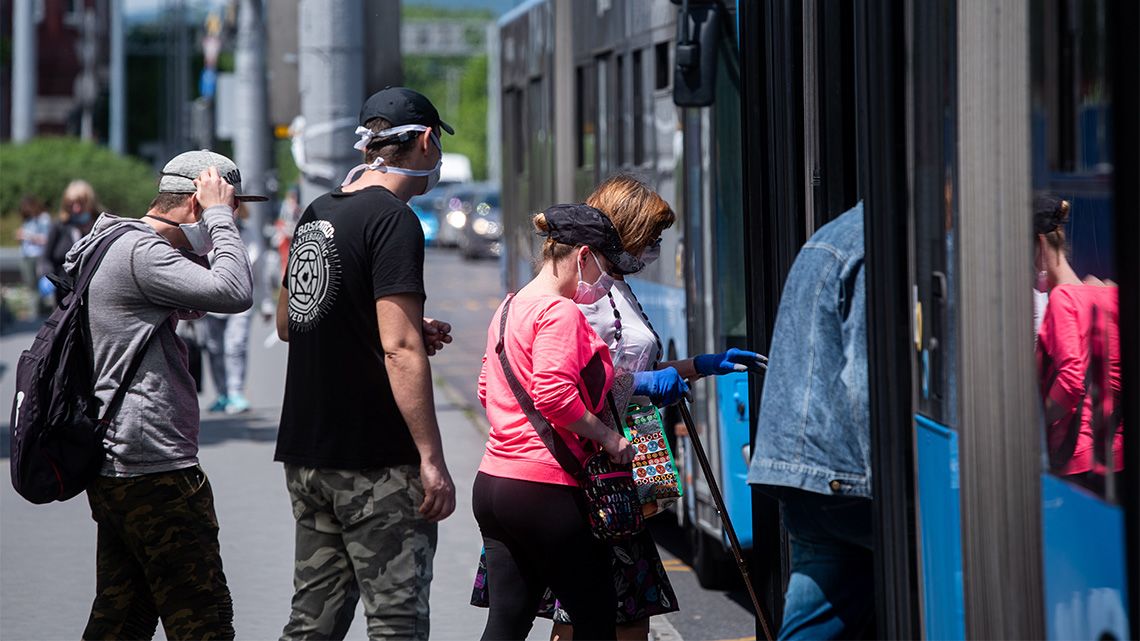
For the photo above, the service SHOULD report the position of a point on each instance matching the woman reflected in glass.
(1078, 357)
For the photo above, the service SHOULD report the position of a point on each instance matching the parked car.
(429, 220)
(482, 217)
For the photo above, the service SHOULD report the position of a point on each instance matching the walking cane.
(722, 511)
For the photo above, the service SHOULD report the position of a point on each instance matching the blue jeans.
(831, 594)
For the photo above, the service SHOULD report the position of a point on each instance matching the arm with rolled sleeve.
(168, 278)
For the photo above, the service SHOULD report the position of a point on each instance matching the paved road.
(47, 552)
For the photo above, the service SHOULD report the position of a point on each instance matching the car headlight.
(481, 226)
(456, 218)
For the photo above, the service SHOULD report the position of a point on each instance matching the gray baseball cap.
(179, 174)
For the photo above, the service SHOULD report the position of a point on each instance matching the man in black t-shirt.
(358, 436)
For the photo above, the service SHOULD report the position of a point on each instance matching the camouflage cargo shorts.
(360, 536)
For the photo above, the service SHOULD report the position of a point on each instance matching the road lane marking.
(675, 565)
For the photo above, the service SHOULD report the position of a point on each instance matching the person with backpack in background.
(157, 552)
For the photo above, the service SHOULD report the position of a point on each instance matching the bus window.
(728, 215)
(604, 114)
(1076, 323)
(638, 109)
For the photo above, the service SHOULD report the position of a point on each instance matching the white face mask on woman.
(590, 293)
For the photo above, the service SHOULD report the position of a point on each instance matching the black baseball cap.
(402, 106)
(581, 224)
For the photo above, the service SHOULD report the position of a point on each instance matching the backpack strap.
(87, 268)
(550, 437)
(89, 264)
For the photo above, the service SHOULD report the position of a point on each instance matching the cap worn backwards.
(581, 224)
(179, 174)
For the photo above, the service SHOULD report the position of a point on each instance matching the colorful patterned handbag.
(654, 467)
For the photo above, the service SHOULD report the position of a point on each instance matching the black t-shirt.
(348, 250)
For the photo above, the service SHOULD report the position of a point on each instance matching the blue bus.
(944, 118)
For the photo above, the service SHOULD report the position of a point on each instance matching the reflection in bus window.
(1077, 341)
(1078, 357)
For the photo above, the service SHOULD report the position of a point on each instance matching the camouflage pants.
(360, 536)
(158, 556)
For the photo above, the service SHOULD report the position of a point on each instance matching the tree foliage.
(44, 166)
(458, 88)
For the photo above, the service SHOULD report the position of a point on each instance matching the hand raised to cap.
(213, 190)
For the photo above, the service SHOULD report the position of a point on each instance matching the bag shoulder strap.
(87, 268)
(550, 437)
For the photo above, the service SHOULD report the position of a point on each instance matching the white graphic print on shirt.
(314, 274)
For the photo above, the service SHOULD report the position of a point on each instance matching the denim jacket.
(813, 431)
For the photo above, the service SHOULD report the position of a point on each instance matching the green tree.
(458, 88)
(42, 168)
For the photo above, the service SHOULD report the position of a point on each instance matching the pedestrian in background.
(286, 223)
(813, 436)
(363, 457)
(77, 211)
(157, 551)
(32, 234)
(227, 335)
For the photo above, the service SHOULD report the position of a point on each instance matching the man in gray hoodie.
(157, 551)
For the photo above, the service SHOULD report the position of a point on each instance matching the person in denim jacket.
(813, 435)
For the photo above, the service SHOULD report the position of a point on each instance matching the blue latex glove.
(664, 386)
(734, 360)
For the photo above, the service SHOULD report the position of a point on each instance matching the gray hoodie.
(144, 285)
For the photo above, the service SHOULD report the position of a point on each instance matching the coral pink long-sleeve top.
(564, 366)
(1063, 355)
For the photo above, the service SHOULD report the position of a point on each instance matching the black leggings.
(536, 536)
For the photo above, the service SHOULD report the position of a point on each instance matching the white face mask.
(366, 135)
(197, 234)
(590, 293)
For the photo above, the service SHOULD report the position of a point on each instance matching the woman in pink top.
(530, 511)
(1078, 350)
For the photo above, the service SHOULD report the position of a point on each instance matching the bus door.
(799, 168)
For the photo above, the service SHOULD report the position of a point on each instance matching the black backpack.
(57, 436)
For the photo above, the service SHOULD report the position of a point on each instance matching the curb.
(661, 630)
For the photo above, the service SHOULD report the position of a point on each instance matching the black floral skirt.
(643, 586)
